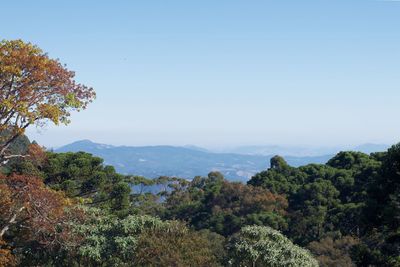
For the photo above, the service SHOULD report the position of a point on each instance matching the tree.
(178, 247)
(264, 246)
(34, 89)
(120, 200)
(334, 252)
(382, 213)
(34, 219)
(312, 205)
(280, 178)
(140, 183)
(25, 201)
(111, 241)
(83, 175)
(386, 190)
(224, 207)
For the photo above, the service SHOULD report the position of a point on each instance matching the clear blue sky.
(222, 72)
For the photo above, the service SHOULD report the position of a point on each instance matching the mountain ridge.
(184, 162)
(190, 161)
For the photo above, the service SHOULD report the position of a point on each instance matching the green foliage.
(83, 175)
(110, 241)
(264, 246)
(332, 252)
(224, 207)
(312, 203)
(353, 194)
(346, 212)
(280, 178)
(178, 246)
(382, 214)
(140, 241)
(385, 191)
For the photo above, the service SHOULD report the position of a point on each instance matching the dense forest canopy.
(69, 209)
(344, 213)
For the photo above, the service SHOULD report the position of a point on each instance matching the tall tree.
(34, 89)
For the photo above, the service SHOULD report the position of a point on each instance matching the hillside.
(185, 162)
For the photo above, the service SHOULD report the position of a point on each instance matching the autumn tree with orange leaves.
(34, 90)
(27, 204)
(33, 214)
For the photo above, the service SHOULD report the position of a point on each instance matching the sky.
(220, 73)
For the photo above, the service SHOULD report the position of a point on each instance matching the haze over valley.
(239, 163)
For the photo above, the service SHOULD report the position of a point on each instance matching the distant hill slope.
(185, 162)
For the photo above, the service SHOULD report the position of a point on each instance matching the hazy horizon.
(251, 149)
(222, 73)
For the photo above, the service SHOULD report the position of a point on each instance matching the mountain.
(295, 151)
(184, 162)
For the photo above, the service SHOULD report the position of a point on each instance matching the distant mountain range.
(189, 161)
(300, 151)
